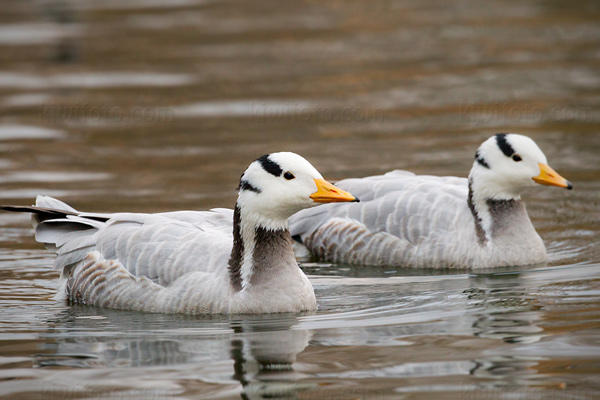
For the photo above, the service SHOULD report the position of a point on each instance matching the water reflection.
(262, 349)
(503, 308)
(264, 357)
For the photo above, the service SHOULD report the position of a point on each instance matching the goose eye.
(289, 176)
(517, 158)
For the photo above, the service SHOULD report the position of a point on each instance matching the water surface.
(155, 105)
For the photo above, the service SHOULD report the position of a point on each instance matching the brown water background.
(155, 105)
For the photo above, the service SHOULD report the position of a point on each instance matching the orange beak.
(327, 193)
(550, 177)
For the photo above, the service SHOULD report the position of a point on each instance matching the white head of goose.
(278, 185)
(273, 188)
(438, 222)
(505, 166)
(197, 262)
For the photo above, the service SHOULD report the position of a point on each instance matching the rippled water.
(156, 105)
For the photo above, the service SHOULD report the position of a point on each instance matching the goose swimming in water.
(191, 261)
(437, 222)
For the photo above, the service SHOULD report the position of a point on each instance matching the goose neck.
(493, 217)
(257, 249)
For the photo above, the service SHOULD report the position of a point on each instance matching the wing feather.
(160, 247)
(400, 220)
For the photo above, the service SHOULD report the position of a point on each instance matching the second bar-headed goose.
(437, 222)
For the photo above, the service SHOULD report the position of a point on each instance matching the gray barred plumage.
(410, 221)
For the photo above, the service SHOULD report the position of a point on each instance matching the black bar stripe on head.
(481, 160)
(504, 145)
(270, 166)
(245, 185)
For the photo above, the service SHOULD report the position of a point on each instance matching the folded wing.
(402, 219)
(159, 247)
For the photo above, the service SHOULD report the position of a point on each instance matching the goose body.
(196, 262)
(437, 222)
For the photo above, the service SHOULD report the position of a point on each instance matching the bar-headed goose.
(188, 261)
(437, 222)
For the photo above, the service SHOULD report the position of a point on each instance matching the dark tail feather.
(42, 213)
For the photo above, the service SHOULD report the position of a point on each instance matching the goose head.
(507, 164)
(278, 185)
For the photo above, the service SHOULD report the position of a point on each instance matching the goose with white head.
(198, 262)
(262, 266)
(438, 222)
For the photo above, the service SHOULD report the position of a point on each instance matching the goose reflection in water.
(263, 349)
(506, 311)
